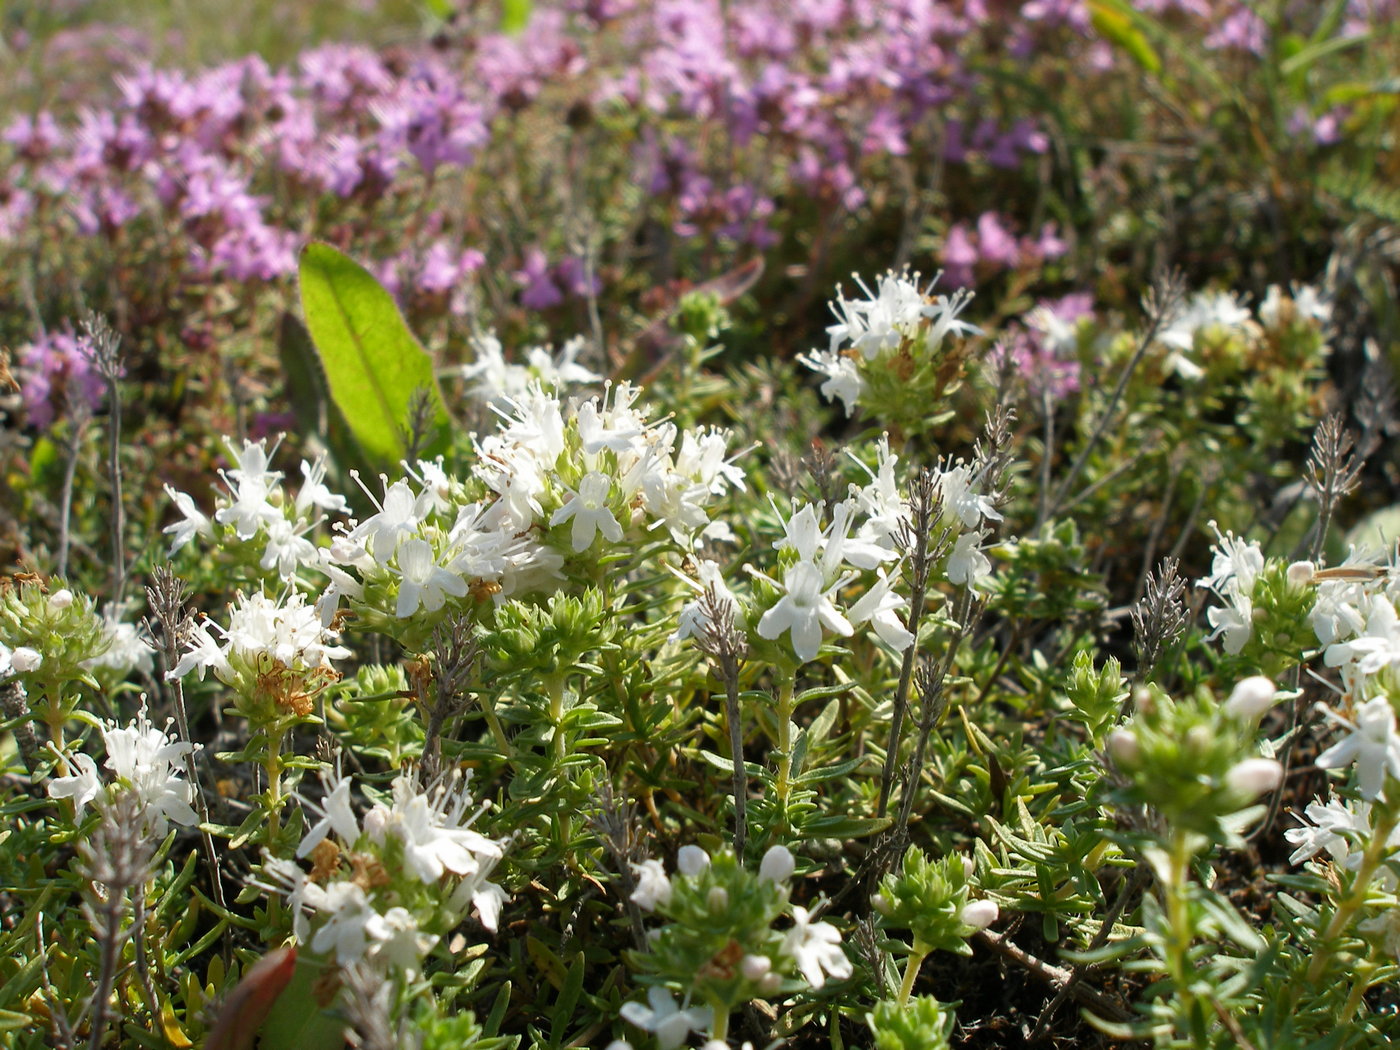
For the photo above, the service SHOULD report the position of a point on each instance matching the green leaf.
(515, 15)
(298, 1020)
(373, 364)
(1115, 23)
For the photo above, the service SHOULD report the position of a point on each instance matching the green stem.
(719, 1026)
(273, 766)
(917, 955)
(1375, 853)
(783, 786)
(1179, 921)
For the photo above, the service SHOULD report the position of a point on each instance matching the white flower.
(126, 649)
(347, 931)
(1371, 744)
(24, 659)
(667, 1020)
(150, 763)
(1235, 621)
(193, 524)
(292, 633)
(804, 610)
(842, 376)
(399, 517)
(313, 492)
(878, 605)
(435, 831)
(1335, 826)
(958, 489)
(968, 565)
(588, 507)
(424, 582)
(338, 815)
(251, 485)
(287, 548)
(397, 941)
(203, 652)
(81, 785)
(61, 599)
(653, 887)
(1236, 562)
(1377, 647)
(816, 948)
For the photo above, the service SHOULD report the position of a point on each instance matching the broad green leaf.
(1116, 25)
(515, 15)
(373, 364)
(298, 1018)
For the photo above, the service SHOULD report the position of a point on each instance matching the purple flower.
(55, 374)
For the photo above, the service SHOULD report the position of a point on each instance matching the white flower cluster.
(143, 760)
(256, 509)
(1222, 312)
(419, 837)
(496, 381)
(289, 633)
(897, 313)
(861, 537)
(812, 948)
(1234, 571)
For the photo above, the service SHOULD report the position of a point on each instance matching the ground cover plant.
(505, 548)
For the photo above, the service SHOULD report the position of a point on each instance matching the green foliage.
(374, 366)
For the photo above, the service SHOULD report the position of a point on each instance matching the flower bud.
(692, 860)
(61, 599)
(1300, 574)
(771, 985)
(969, 867)
(756, 967)
(1251, 698)
(777, 865)
(980, 914)
(1254, 776)
(25, 659)
(718, 899)
(1122, 747)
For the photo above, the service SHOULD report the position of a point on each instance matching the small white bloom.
(879, 605)
(804, 610)
(150, 763)
(842, 376)
(194, 523)
(665, 1018)
(1329, 824)
(1372, 745)
(588, 507)
(424, 582)
(61, 599)
(81, 785)
(968, 565)
(653, 887)
(24, 659)
(958, 489)
(816, 948)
